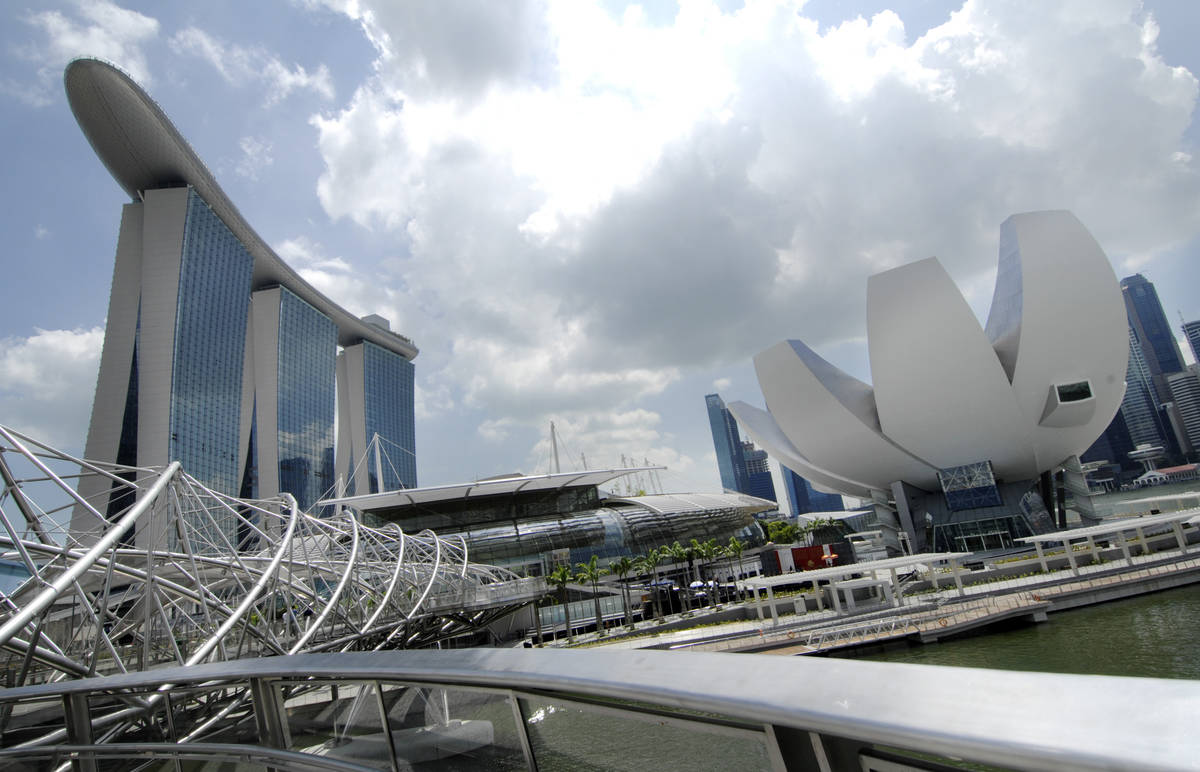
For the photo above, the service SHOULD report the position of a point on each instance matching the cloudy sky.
(597, 212)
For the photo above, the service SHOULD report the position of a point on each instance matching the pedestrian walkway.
(926, 616)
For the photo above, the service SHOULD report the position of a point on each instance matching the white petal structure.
(1035, 386)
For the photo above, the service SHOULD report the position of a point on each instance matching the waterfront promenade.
(928, 615)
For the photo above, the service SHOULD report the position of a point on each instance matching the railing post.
(522, 734)
(268, 714)
(78, 724)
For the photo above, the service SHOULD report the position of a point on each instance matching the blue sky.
(597, 212)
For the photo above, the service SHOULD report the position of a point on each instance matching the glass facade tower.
(1159, 347)
(1191, 331)
(210, 333)
(1139, 405)
(728, 444)
(307, 359)
(803, 498)
(216, 354)
(388, 404)
(376, 433)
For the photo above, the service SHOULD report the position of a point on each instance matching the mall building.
(531, 523)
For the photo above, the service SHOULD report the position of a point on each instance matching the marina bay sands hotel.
(216, 353)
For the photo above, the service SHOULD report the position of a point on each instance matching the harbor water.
(1155, 635)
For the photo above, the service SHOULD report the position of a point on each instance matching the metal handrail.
(974, 714)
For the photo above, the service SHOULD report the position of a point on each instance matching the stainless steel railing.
(515, 708)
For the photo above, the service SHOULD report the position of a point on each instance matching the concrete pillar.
(1071, 556)
(1041, 556)
(1125, 548)
(1177, 526)
(955, 569)
(771, 600)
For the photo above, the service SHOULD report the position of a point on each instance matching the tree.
(622, 568)
(648, 564)
(560, 577)
(782, 533)
(707, 551)
(682, 554)
(736, 547)
(826, 530)
(588, 572)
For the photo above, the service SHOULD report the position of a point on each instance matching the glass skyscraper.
(743, 467)
(803, 498)
(1159, 347)
(306, 361)
(213, 300)
(1191, 331)
(728, 444)
(376, 438)
(216, 354)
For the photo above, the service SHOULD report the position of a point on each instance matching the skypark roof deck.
(143, 150)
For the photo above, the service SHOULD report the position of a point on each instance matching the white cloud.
(596, 206)
(358, 292)
(722, 384)
(239, 65)
(46, 383)
(256, 156)
(96, 28)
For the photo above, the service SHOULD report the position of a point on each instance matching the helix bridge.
(163, 570)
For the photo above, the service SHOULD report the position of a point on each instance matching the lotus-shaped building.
(959, 414)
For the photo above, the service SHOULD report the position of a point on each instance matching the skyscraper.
(216, 353)
(727, 443)
(1159, 347)
(1185, 391)
(377, 403)
(803, 498)
(758, 472)
(1191, 331)
(743, 467)
(1140, 404)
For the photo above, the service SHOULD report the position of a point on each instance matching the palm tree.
(736, 547)
(560, 577)
(648, 564)
(622, 568)
(682, 554)
(588, 572)
(707, 551)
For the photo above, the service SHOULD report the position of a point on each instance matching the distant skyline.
(598, 212)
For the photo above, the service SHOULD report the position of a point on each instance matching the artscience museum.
(969, 435)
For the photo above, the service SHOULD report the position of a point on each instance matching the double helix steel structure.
(174, 573)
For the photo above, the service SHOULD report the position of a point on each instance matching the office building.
(728, 444)
(216, 353)
(1185, 392)
(804, 498)
(743, 467)
(758, 472)
(1191, 331)
(1159, 347)
(1140, 406)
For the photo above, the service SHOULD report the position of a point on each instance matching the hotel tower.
(216, 353)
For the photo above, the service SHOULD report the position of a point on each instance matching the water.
(1156, 635)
